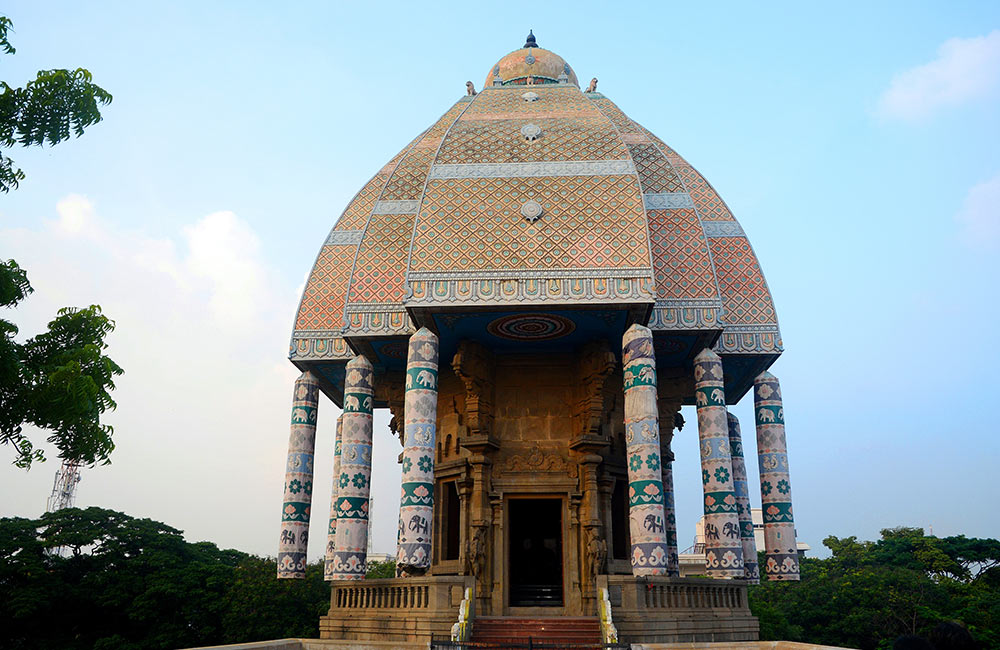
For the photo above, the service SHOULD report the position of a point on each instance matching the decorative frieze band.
(344, 238)
(533, 169)
(308, 345)
(396, 207)
(686, 315)
(749, 339)
(722, 229)
(377, 321)
(667, 201)
(529, 290)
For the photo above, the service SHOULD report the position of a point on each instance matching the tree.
(46, 110)
(135, 584)
(60, 380)
(869, 593)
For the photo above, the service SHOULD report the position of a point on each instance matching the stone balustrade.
(676, 610)
(388, 609)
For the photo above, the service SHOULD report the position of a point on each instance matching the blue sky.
(856, 144)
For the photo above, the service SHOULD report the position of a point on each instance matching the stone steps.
(567, 629)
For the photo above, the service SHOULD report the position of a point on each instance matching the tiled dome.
(537, 195)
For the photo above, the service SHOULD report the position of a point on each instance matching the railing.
(660, 593)
(658, 596)
(377, 597)
(460, 630)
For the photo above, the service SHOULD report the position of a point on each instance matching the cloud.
(979, 217)
(966, 69)
(202, 332)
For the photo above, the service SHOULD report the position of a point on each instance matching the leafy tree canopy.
(870, 593)
(123, 583)
(46, 110)
(59, 380)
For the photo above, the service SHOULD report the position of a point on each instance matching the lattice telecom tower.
(64, 488)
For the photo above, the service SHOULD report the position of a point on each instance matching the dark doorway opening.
(535, 553)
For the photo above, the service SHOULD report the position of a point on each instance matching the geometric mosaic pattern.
(476, 224)
(613, 199)
(710, 206)
(745, 297)
(682, 266)
(378, 275)
(485, 141)
(322, 305)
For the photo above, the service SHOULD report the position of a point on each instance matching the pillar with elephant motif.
(416, 505)
(751, 571)
(294, 537)
(331, 535)
(782, 556)
(650, 554)
(723, 548)
(350, 554)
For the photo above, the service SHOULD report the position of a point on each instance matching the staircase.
(555, 629)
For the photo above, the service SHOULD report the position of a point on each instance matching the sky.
(855, 142)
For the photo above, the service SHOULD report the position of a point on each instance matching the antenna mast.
(64, 487)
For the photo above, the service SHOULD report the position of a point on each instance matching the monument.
(533, 287)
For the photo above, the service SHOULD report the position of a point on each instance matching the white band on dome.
(534, 169)
(667, 201)
(722, 229)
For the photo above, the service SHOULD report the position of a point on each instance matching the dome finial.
(530, 41)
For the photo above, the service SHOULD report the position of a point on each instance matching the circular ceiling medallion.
(531, 211)
(531, 132)
(531, 327)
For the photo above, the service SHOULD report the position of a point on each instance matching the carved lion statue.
(592, 88)
(470, 89)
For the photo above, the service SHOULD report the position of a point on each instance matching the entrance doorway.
(535, 553)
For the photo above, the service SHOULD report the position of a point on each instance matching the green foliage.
(870, 593)
(385, 569)
(48, 109)
(59, 380)
(130, 584)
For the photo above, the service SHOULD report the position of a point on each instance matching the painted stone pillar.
(669, 515)
(351, 553)
(416, 504)
(751, 572)
(331, 535)
(723, 549)
(776, 491)
(642, 450)
(669, 411)
(294, 538)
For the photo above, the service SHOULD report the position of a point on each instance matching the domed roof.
(530, 64)
(541, 199)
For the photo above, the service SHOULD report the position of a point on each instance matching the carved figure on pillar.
(294, 538)
(351, 553)
(331, 536)
(775, 488)
(723, 548)
(416, 506)
(751, 571)
(642, 451)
